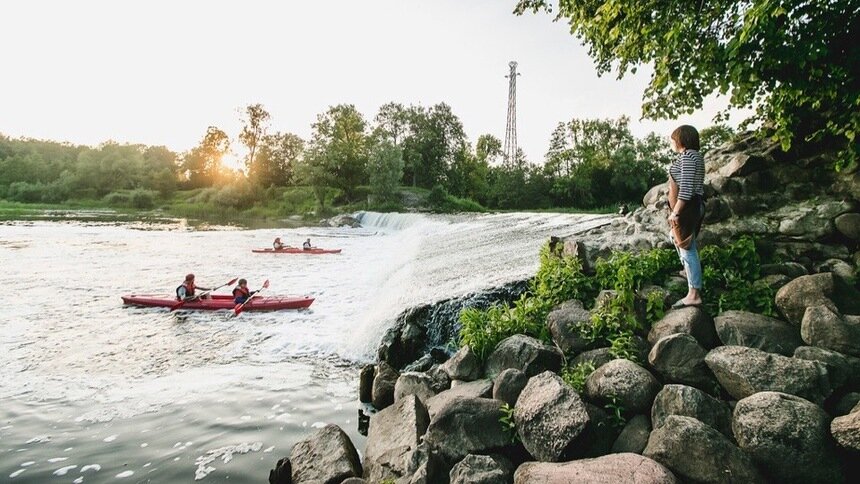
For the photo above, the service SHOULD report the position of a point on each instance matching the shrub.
(575, 376)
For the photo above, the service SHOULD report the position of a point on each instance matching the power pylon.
(511, 130)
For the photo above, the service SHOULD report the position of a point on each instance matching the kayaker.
(307, 245)
(277, 245)
(187, 289)
(241, 292)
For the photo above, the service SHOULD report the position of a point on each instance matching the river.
(93, 391)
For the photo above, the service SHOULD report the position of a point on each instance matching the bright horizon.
(160, 73)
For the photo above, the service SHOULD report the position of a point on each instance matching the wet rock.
(282, 473)
(848, 224)
(598, 357)
(393, 436)
(467, 426)
(421, 364)
(464, 365)
(680, 359)
(524, 353)
(440, 379)
(792, 270)
(418, 384)
(625, 382)
(691, 320)
(696, 452)
(609, 469)
(482, 469)
(426, 466)
(508, 385)
(474, 389)
(382, 392)
(846, 430)
(327, 456)
(691, 402)
(844, 370)
(549, 415)
(787, 437)
(634, 436)
(365, 383)
(823, 289)
(403, 343)
(823, 327)
(741, 328)
(566, 323)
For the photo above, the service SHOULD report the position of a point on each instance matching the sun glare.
(232, 161)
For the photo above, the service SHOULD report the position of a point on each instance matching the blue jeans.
(692, 265)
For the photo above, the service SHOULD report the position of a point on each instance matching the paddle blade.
(266, 284)
(177, 305)
(238, 309)
(232, 281)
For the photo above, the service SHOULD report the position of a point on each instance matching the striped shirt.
(688, 171)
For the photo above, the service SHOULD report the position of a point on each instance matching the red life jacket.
(189, 290)
(238, 291)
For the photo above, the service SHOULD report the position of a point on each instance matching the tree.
(254, 124)
(434, 138)
(488, 149)
(202, 165)
(392, 122)
(714, 136)
(276, 159)
(385, 167)
(794, 61)
(339, 146)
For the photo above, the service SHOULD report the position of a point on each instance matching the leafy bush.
(575, 376)
(729, 275)
(508, 424)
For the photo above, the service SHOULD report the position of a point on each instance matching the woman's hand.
(672, 219)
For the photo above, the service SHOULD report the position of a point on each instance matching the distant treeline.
(590, 163)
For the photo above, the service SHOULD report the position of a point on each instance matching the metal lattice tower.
(511, 130)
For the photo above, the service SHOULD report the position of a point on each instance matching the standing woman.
(687, 208)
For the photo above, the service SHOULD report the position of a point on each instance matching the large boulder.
(473, 389)
(482, 469)
(609, 469)
(680, 359)
(741, 328)
(698, 453)
(791, 270)
(411, 383)
(844, 370)
(846, 430)
(566, 323)
(382, 393)
(549, 416)
(393, 436)
(788, 437)
(848, 224)
(624, 383)
(823, 289)
(597, 358)
(634, 436)
(743, 371)
(282, 473)
(464, 365)
(690, 320)
(524, 353)
(508, 385)
(467, 426)
(691, 402)
(327, 456)
(823, 327)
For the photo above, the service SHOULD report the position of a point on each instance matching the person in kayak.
(277, 245)
(188, 289)
(307, 245)
(241, 292)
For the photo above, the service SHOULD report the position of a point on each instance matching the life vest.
(189, 290)
(306, 245)
(239, 292)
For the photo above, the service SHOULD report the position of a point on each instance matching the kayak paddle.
(181, 303)
(239, 307)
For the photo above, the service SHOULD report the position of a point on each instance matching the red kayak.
(296, 250)
(218, 301)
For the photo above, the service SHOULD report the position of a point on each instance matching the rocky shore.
(734, 397)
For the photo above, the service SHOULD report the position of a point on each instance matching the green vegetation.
(576, 375)
(508, 424)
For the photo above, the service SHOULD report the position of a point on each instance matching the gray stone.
(597, 358)
(464, 365)
(393, 436)
(848, 224)
(743, 164)
(426, 466)
(565, 324)
(467, 426)
(690, 320)
(508, 385)
(625, 382)
(549, 416)
(805, 291)
(838, 267)
(789, 269)
(365, 383)
(846, 403)
(846, 431)
(774, 281)
(810, 220)
(382, 393)
(524, 353)
(354, 480)
(680, 359)
(441, 381)
(609, 469)
(787, 437)
(844, 370)
(741, 328)
(327, 456)
(634, 437)
(474, 389)
(743, 371)
(724, 185)
(697, 453)
(418, 384)
(482, 469)
(282, 473)
(823, 327)
(691, 402)
(656, 194)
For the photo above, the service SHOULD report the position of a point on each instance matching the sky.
(160, 72)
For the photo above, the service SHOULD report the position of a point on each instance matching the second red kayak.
(296, 250)
(223, 302)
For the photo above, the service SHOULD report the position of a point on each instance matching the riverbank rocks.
(472, 389)
(846, 430)
(848, 224)
(609, 469)
(741, 328)
(463, 365)
(690, 320)
(743, 371)
(823, 327)
(788, 437)
(508, 385)
(625, 383)
(698, 453)
(823, 289)
(467, 426)
(384, 381)
(524, 353)
(365, 383)
(691, 402)
(327, 456)
(680, 359)
(565, 324)
(482, 469)
(634, 437)
(549, 416)
(844, 370)
(282, 473)
(597, 358)
(393, 435)
(412, 383)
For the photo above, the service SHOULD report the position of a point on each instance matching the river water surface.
(94, 391)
